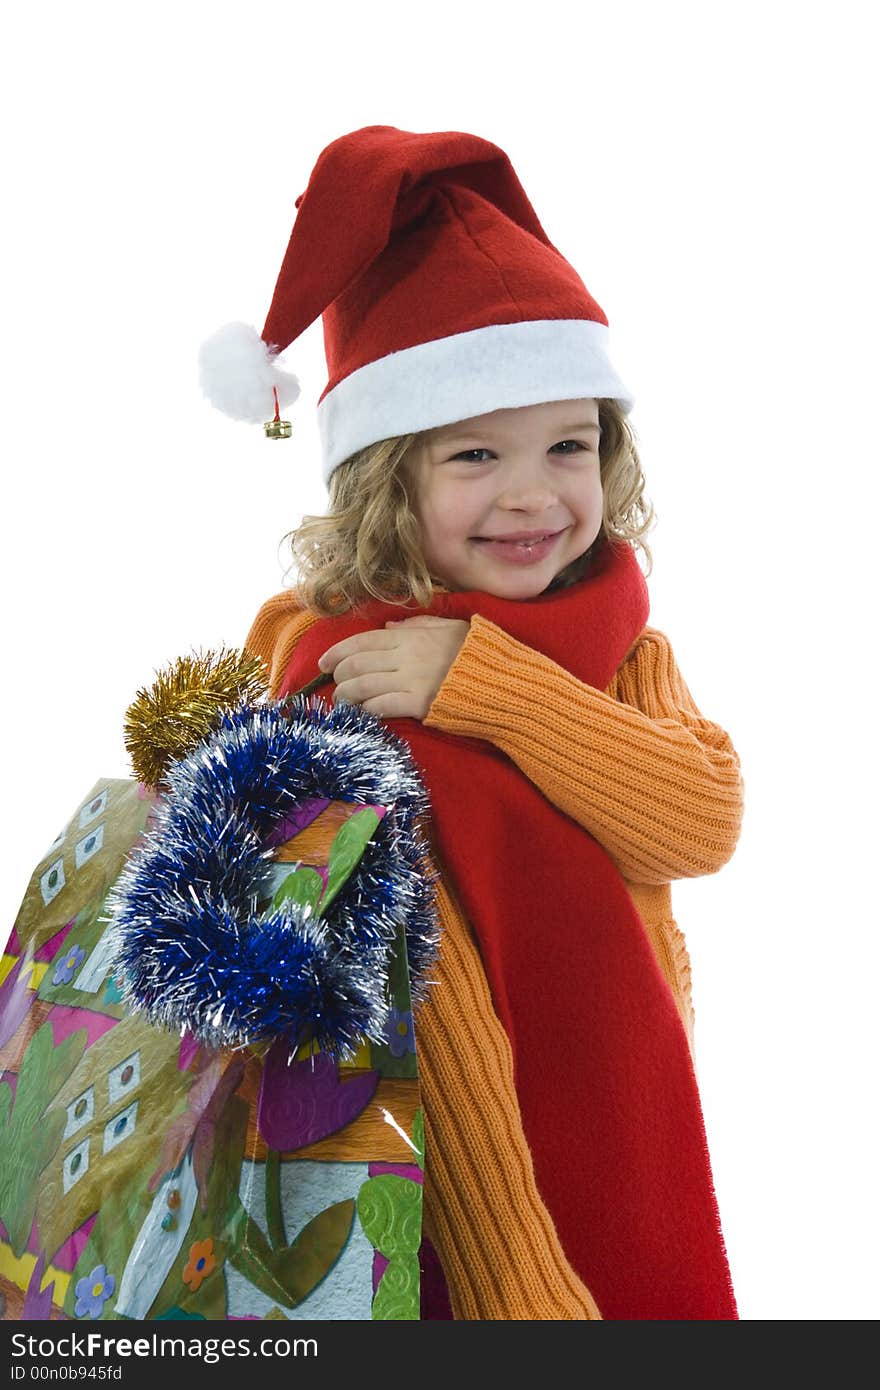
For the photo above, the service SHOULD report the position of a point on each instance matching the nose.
(526, 492)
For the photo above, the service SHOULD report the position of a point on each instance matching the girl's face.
(520, 474)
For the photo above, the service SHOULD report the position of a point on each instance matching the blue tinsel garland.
(188, 940)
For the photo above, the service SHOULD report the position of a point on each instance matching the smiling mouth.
(526, 543)
(520, 554)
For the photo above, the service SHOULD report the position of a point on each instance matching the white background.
(711, 172)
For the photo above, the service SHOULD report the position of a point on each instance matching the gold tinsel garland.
(185, 705)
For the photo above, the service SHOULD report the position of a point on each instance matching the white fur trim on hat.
(237, 372)
(467, 374)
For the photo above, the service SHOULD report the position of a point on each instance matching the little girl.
(475, 584)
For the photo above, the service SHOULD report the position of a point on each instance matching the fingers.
(377, 639)
(397, 704)
(359, 689)
(366, 663)
(424, 620)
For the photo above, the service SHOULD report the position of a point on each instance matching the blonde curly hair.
(367, 546)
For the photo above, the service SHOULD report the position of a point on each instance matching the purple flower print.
(400, 1032)
(38, 1302)
(93, 1291)
(69, 962)
(15, 1000)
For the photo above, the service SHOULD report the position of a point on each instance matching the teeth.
(523, 544)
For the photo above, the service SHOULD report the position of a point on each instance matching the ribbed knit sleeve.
(637, 765)
(496, 1240)
(275, 632)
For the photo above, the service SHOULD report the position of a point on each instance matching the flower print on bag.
(200, 1264)
(69, 962)
(400, 1032)
(93, 1291)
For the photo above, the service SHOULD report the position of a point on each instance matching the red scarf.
(603, 1070)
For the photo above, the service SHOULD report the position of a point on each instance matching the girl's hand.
(396, 670)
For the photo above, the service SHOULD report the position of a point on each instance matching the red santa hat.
(442, 298)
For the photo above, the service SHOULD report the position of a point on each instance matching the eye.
(465, 452)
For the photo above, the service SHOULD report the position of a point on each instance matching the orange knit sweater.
(660, 788)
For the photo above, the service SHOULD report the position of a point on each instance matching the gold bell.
(278, 429)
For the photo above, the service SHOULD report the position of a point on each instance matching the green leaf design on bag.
(29, 1137)
(274, 1204)
(418, 1135)
(346, 851)
(304, 887)
(397, 1297)
(289, 1275)
(390, 1211)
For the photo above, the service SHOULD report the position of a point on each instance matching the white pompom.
(237, 373)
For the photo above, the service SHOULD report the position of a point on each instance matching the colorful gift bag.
(154, 1170)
